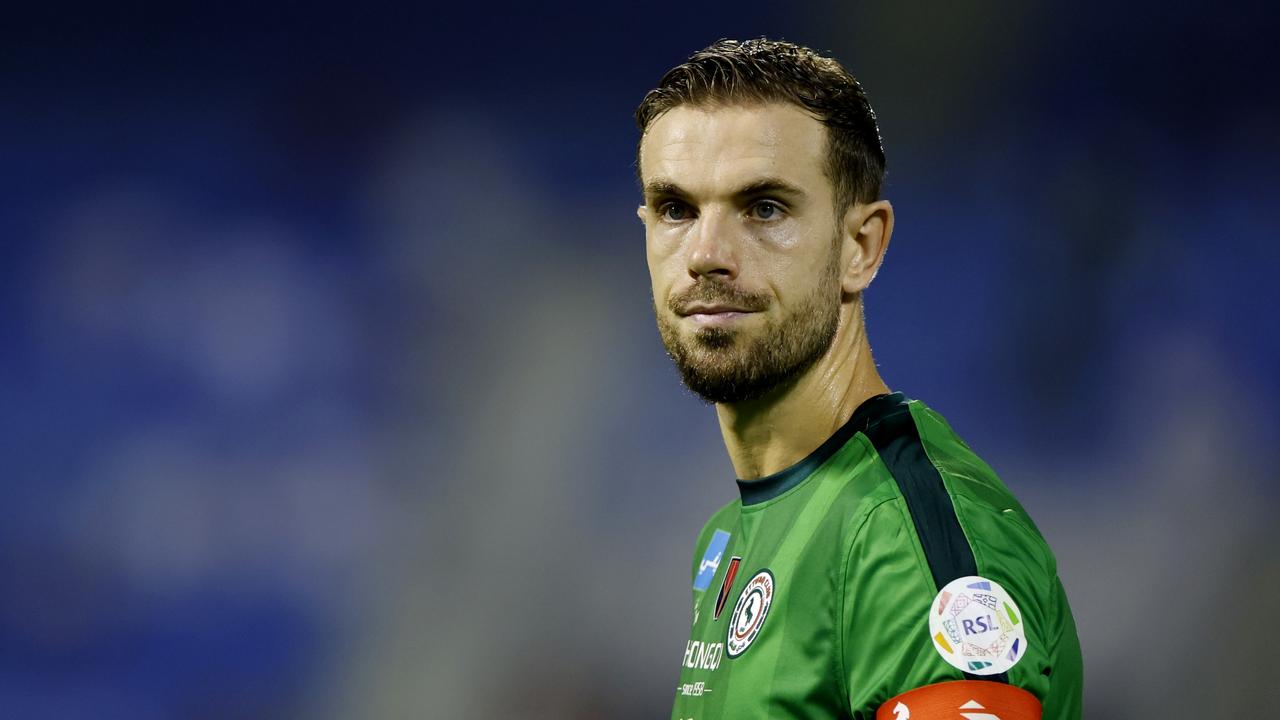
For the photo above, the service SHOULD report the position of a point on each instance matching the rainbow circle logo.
(977, 627)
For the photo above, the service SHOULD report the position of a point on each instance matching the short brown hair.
(763, 70)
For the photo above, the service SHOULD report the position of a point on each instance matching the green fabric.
(847, 627)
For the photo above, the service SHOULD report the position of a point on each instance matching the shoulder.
(1002, 535)
(945, 518)
(952, 517)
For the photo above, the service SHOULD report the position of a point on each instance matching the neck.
(773, 432)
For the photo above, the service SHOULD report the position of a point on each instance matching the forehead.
(710, 148)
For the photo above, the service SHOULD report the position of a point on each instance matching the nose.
(713, 248)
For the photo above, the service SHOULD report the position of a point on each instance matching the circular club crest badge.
(977, 627)
(749, 614)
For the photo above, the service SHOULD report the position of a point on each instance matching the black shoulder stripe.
(897, 440)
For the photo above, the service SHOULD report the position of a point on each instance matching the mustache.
(717, 293)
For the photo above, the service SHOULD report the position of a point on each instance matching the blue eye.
(764, 210)
(673, 211)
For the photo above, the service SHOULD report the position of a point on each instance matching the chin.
(714, 338)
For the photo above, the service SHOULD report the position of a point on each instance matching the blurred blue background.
(329, 386)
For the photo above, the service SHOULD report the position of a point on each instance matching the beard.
(730, 365)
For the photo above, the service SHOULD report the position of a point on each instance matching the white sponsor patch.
(749, 613)
(977, 627)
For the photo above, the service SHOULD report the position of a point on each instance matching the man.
(873, 566)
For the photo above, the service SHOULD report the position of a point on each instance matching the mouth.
(715, 315)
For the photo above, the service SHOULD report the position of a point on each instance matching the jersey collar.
(769, 487)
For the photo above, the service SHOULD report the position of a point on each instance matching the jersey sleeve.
(889, 591)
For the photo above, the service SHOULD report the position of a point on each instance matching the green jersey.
(889, 559)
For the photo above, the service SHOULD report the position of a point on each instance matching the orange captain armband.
(962, 700)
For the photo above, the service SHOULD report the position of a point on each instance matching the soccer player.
(872, 565)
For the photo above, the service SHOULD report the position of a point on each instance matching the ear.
(640, 213)
(866, 230)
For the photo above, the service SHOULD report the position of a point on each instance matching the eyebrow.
(662, 187)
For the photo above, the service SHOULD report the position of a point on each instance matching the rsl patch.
(977, 627)
(749, 613)
(710, 560)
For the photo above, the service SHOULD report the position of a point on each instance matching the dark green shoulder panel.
(1009, 549)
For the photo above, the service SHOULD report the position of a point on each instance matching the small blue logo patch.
(711, 560)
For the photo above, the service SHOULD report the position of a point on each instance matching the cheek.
(777, 267)
(665, 263)
(659, 276)
(793, 277)
(797, 258)
(662, 245)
